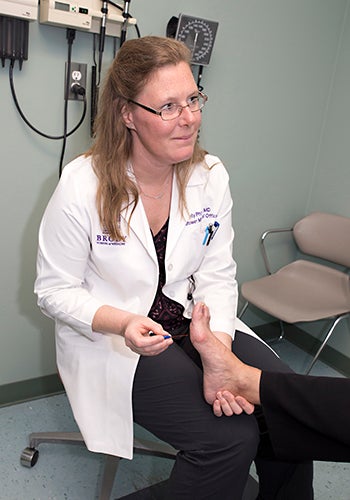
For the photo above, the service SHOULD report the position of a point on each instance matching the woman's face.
(164, 142)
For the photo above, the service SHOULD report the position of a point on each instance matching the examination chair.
(30, 455)
(313, 287)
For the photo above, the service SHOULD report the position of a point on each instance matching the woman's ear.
(128, 117)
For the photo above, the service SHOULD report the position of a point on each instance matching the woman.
(138, 231)
(307, 417)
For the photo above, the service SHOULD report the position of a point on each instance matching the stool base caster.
(29, 457)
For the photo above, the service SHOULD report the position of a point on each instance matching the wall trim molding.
(26, 390)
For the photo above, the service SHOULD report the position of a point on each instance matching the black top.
(164, 310)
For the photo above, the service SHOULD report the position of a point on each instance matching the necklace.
(160, 195)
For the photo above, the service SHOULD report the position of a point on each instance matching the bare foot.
(222, 369)
(216, 357)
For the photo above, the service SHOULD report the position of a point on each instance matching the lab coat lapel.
(139, 223)
(177, 220)
(140, 227)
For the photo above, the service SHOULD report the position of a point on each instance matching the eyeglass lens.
(194, 105)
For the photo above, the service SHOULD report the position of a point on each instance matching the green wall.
(278, 115)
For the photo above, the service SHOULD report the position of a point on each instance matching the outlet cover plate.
(77, 75)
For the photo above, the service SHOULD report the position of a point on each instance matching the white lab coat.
(80, 269)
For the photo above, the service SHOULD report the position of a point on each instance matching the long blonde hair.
(134, 64)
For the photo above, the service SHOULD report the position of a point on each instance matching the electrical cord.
(97, 66)
(129, 16)
(53, 137)
(27, 122)
(77, 89)
(70, 39)
(104, 10)
(138, 31)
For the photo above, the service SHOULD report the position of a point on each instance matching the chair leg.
(30, 455)
(142, 446)
(110, 470)
(37, 438)
(327, 337)
(243, 310)
(158, 449)
(281, 336)
(281, 331)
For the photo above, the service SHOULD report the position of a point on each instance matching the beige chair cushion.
(301, 291)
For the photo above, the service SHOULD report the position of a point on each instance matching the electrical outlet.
(77, 81)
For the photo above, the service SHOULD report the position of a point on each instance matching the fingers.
(159, 341)
(149, 345)
(245, 405)
(228, 404)
(156, 344)
(164, 334)
(145, 336)
(217, 408)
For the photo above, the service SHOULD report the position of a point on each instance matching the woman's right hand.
(138, 339)
(135, 329)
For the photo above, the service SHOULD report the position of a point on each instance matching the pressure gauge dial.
(198, 35)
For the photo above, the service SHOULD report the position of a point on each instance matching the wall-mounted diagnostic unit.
(23, 9)
(14, 29)
(82, 15)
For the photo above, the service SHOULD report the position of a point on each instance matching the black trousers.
(215, 452)
(307, 417)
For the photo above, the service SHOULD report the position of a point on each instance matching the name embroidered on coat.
(198, 216)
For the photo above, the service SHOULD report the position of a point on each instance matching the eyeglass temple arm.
(199, 78)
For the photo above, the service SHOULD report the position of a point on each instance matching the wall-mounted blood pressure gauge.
(198, 35)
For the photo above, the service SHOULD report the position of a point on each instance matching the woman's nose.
(187, 115)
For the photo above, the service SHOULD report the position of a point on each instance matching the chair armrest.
(263, 247)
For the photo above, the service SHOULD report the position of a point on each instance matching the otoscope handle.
(104, 11)
(125, 23)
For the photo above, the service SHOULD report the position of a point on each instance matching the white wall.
(277, 115)
(330, 186)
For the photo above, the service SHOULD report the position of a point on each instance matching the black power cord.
(26, 121)
(70, 33)
(78, 89)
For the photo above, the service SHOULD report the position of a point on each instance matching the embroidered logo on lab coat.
(105, 239)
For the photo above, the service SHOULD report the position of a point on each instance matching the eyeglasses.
(171, 111)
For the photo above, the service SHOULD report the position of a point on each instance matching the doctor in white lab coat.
(100, 267)
(80, 269)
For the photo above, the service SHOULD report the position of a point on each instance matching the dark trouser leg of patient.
(278, 480)
(307, 416)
